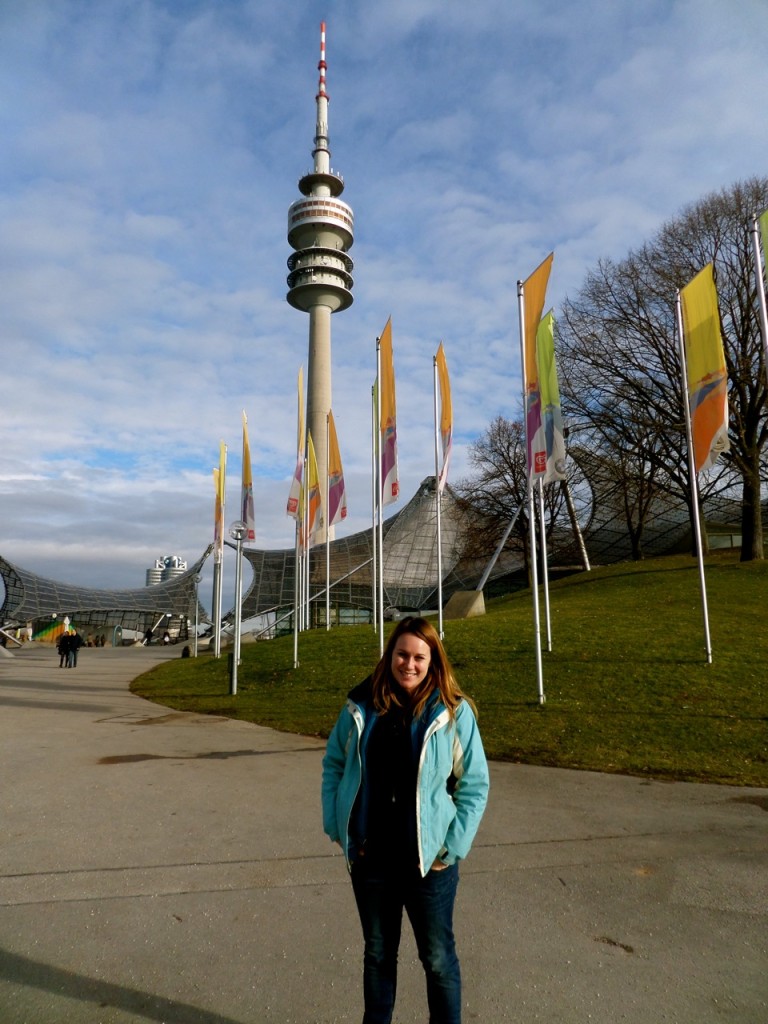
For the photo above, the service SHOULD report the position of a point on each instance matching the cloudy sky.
(151, 149)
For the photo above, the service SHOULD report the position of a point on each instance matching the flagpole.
(296, 586)
(380, 496)
(374, 506)
(328, 524)
(531, 514)
(693, 478)
(219, 583)
(760, 284)
(544, 566)
(217, 607)
(438, 505)
(305, 554)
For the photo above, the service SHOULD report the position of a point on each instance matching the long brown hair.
(439, 674)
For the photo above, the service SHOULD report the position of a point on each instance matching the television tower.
(320, 229)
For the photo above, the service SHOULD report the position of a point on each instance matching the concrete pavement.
(168, 867)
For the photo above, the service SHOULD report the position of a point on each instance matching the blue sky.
(151, 149)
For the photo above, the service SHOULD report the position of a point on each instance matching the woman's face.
(410, 661)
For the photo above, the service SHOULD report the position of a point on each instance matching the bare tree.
(620, 366)
(499, 490)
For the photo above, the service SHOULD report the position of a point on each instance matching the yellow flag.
(534, 296)
(219, 482)
(315, 509)
(295, 494)
(337, 493)
(246, 493)
(707, 374)
(390, 485)
(446, 415)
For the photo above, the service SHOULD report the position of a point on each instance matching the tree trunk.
(751, 517)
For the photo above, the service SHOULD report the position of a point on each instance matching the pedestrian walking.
(75, 643)
(405, 784)
(62, 646)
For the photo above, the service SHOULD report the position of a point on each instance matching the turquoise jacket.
(452, 779)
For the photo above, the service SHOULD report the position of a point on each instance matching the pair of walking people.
(69, 644)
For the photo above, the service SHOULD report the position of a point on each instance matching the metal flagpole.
(327, 526)
(374, 506)
(217, 606)
(296, 599)
(760, 284)
(380, 496)
(237, 531)
(531, 515)
(694, 479)
(438, 506)
(544, 566)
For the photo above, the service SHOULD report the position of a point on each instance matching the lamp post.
(196, 581)
(238, 531)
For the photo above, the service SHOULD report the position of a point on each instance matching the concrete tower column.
(319, 384)
(321, 230)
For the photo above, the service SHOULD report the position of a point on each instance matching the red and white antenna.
(321, 67)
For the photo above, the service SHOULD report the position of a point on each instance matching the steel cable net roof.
(29, 597)
(410, 562)
(410, 550)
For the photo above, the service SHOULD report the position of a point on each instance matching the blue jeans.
(381, 896)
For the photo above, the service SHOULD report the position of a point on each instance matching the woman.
(405, 783)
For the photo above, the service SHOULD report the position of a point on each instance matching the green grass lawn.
(627, 685)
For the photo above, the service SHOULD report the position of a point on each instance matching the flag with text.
(534, 294)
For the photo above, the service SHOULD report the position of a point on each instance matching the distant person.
(148, 637)
(75, 643)
(166, 637)
(62, 646)
(405, 784)
(102, 640)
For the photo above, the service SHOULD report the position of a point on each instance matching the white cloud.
(151, 152)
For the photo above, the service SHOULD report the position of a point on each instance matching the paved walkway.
(167, 867)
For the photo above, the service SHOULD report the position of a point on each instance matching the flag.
(314, 500)
(390, 487)
(446, 416)
(337, 494)
(551, 415)
(707, 376)
(763, 222)
(246, 494)
(219, 482)
(294, 497)
(534, 294)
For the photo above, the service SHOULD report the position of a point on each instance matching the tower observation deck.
(321, 230)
